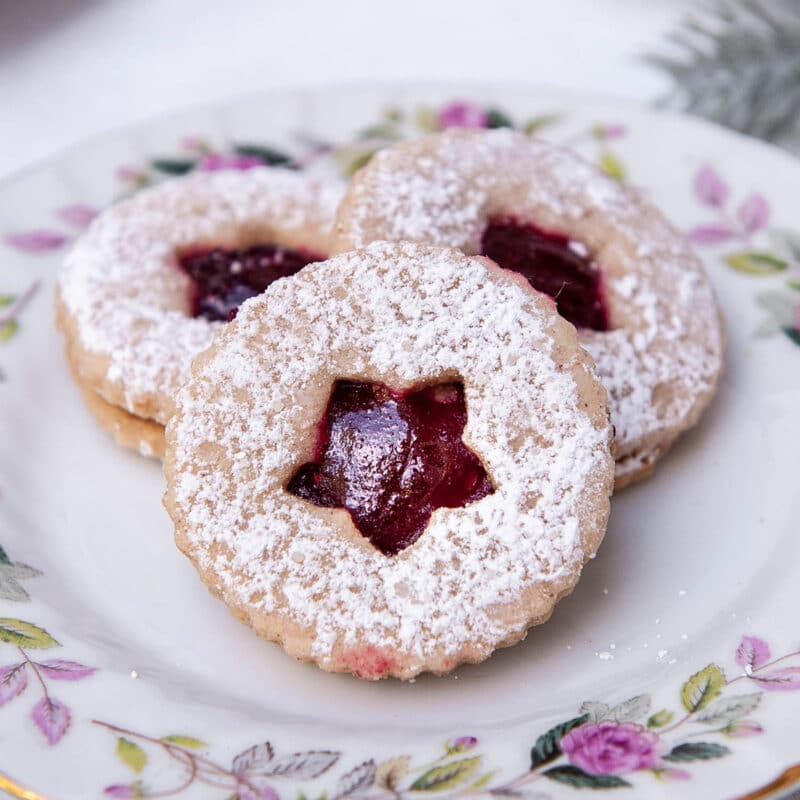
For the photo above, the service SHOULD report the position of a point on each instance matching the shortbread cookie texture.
(155, 277)
(144, 436)
(395, 461)
(614, 265)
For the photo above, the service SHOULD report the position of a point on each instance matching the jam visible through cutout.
(554, 265)
(224, 279)
(391, 459)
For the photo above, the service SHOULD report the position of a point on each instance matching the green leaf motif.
(631, 710)
(8, 329)
(696, 751)
(547, 747)
(173, 166)
(535, 124)
(130, 754)
(578, 779)
(597, 711)
(393, 114)
(447, 776)
(660, 719)
(483, 780)
(379, 132)
(351, 160)
(184, 741)
(793, 334)
(497, 119)
(6, 299)
(391, 772)
(702, 688)
(728, 709)
(755, 263)
(10, 589)
(25, 634)
(612, 166)
(269, 155)
(4, 559)
(19, 570)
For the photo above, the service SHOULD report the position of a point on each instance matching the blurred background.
(73, 68)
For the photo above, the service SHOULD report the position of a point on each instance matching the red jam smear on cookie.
(553, 264)
(392, 458)
(224, 279)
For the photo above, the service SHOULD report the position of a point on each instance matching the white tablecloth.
(73, 68)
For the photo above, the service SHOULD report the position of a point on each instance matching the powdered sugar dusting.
(129, 302)
(401, 314)
(661, 361)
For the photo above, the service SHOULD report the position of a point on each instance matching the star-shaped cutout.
(391, 459)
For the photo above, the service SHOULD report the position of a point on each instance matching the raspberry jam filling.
(553, 264)
(391, 459)
(224, 279)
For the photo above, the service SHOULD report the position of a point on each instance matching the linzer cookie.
(613, 264)
(156, 276)
(394, 461)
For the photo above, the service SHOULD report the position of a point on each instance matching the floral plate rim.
(582, 740)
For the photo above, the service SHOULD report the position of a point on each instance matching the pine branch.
(737, 62)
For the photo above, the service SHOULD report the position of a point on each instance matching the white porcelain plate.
(677, 659)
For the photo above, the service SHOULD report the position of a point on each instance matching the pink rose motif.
(218, 161)
(462, 114)
(611, 748)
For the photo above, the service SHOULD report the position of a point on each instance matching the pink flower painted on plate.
(710, 188)
(611, 748)
(60, 669)
(753, 213)
(752, 653)
(743, 728)
(38, 241)
(52, 718)
(462, 744)
(710, 234)
(462, 114)
(13, 680)
(785, 679)
(219, 161)
(615, 131)
(78, 215)
(120, 791)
